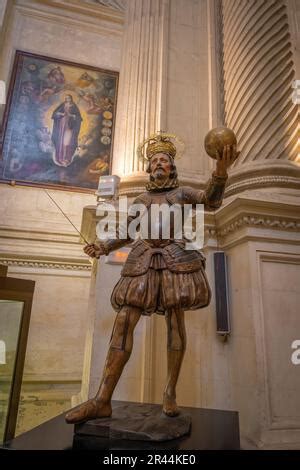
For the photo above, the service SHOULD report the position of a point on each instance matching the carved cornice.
(82, 15)
(217, 231)
(42, 249)
(32, 235)
(263, 174)
(271, 216)
(262, 182)
(28, 263)
(266, 222)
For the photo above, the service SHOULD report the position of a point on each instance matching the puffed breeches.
(158, 290)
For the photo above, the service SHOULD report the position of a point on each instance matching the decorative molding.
(27, 263)
(258, 72)
(42, 250)
(263, 174)
(254, 216)
(84, 16)
(269, 222)
(9, 232)
(210, 231)
(262, 181)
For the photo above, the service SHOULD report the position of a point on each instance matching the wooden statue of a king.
(160, 275)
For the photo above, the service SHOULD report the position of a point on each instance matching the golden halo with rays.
(159, 136)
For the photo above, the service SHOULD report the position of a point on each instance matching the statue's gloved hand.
(93, 251)
(230, 154)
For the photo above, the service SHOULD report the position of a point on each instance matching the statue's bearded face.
(160, 166)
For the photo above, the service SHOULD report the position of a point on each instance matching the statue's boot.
(100, 406)
(175, 358)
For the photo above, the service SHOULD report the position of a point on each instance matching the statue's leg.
(120, 348)
(175, 351)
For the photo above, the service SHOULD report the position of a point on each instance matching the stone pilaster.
(142, 81)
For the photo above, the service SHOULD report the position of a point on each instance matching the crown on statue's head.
(158, 143)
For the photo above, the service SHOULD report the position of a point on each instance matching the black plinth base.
(210, 430)
(137, 421)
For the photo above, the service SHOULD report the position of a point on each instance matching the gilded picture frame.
(58, 125)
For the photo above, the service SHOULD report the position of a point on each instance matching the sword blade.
(65, 215)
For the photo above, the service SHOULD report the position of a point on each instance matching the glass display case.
(15, 307)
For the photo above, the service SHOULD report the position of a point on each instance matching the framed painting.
(58, 124)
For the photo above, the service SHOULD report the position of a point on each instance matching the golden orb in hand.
(216, 139)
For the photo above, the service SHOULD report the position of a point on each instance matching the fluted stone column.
(140, 109)
(259, 229)
(258, 74)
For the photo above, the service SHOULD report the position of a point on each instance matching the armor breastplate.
(159, 225)
(177, 259)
